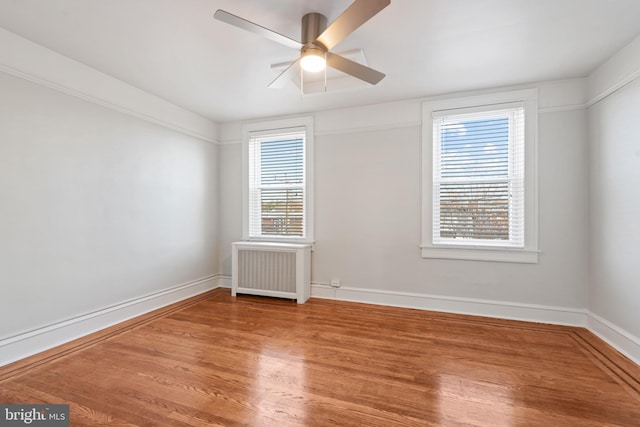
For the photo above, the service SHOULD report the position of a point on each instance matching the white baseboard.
(616, 337)
(621, 340)
(476, 307)
(41, 339)
(224, 282)
(35, 341)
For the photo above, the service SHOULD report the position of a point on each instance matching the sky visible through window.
(475, 148)
(282, 161)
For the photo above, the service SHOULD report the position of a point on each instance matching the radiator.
(271, 269)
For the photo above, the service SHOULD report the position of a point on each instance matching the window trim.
(274, 126)
(530, 252)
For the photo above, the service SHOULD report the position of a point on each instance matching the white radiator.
(271, 269)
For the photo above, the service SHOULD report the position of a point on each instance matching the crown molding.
(29, 61)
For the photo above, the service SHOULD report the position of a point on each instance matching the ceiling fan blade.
(236, 21)
(351, 19)
(354, 69)
(283, 77)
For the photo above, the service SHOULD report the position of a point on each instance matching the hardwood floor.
(218, 360)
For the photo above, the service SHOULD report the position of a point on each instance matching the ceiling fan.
(317, 40)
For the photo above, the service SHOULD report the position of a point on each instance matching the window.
(277, 176)
(479, 168)
(478, 177)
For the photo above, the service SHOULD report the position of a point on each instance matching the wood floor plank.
(25, 365)
(251, 361)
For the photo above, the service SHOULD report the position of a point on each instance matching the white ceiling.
(176, 50)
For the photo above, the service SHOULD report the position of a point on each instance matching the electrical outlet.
(335, 283)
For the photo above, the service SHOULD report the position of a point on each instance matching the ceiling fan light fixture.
(317, 40)
(313, 60)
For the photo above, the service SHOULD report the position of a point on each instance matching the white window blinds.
(478, 176)
(277, 183)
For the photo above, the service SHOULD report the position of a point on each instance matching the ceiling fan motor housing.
(313, 24)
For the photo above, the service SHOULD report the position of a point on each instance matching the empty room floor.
(220, 360)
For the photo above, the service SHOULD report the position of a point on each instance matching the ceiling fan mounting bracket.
(313, 24)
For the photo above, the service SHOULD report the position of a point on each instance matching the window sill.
(481, 254)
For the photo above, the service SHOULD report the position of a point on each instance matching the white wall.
(614, 129)
(230, 203)
(368, 201)
(97, 208)
(108, 200)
